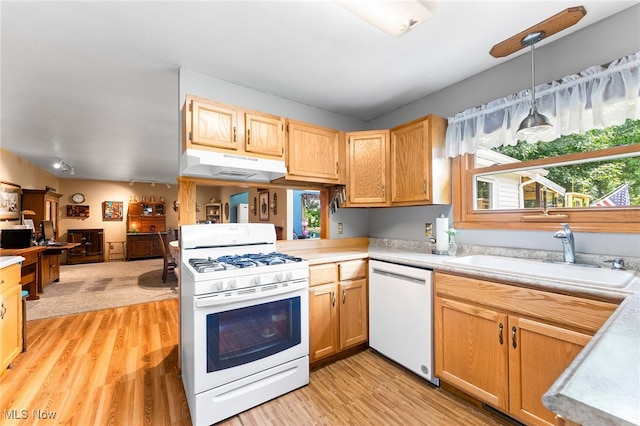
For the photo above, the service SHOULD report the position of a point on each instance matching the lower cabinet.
(144, 245)
(338, 315)
(50, 268)
(91, 248)
(506, 345)
(10, 315)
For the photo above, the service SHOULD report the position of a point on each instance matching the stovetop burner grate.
(239, 261)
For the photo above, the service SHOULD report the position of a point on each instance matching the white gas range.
(244, 319)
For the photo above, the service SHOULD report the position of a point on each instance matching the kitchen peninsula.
(592, 389)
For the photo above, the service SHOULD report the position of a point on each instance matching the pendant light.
(534, 122)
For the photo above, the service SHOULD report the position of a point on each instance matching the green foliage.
(596, 179)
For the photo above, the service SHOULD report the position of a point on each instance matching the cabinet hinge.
(190, 107)
(190, 136)
(287, 127)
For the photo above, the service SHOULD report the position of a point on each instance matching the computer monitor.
(47, 229)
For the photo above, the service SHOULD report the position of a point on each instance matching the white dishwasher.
(401, 315)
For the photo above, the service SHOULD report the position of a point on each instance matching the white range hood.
(218, 165)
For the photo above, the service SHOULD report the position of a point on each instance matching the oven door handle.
(213, 300)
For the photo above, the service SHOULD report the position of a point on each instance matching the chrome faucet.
(568, 245)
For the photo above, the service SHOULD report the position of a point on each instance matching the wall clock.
(77, 198)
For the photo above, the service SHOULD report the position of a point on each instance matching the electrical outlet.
(428, 229)
(340, 228)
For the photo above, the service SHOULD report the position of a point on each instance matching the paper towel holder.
(434, 240)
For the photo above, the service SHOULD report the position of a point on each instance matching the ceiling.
(96, 83)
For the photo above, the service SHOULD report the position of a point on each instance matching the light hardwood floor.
(118, 367)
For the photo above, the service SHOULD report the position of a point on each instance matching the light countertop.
(9, 260)
(602, 385)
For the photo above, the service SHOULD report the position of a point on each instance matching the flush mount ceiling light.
(391, 16)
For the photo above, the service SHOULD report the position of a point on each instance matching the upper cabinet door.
(264, 134)
(410, 163)
(312, 153)
(367, 173)
(420, 170)
(213, 125)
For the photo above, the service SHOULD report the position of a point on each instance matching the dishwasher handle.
(399, 276)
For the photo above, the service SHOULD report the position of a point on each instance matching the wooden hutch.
(144, 221)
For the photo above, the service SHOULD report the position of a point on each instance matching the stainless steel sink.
(563, 272)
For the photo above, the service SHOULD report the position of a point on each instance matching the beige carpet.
(94, 286)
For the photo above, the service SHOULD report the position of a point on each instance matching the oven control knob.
(289, 275)
(278, 278)
(232, 283)
(256, 280)
(221, 285)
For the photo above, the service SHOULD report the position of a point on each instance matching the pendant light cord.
(533, 78)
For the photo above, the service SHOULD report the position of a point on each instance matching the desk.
(30, 273)
(50, 269)
(40, 267)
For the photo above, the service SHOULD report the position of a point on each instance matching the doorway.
(234, 201)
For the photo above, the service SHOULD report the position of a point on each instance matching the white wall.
(597, 44)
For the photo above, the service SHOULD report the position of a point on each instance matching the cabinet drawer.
(353, 269)
(579, 313)
(10, 275)
(323, 274)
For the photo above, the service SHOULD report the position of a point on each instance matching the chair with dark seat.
(169, 262)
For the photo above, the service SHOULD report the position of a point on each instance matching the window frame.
(582, 219)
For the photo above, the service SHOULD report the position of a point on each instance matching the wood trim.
(549, 26)
(602, 219)
(616, 151)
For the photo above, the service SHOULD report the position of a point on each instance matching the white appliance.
(244, 319)
(401, 316)
(219, 165)
(242, 213)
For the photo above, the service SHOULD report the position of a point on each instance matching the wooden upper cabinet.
(420, 171)
(313, 153)
(214, 126)
(367, 172)
(264, 134)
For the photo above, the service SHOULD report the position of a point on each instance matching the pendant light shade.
(534, 122)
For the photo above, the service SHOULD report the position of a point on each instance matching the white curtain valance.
(598, 97)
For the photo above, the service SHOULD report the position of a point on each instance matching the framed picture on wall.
(263, 206)
(112, 210)
(75, 210)
(9, 201)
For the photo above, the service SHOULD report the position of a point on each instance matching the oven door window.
(251, 333)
